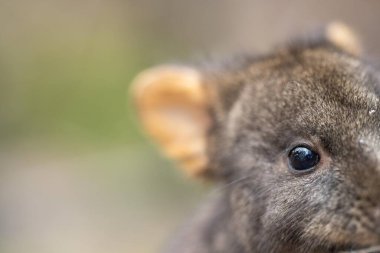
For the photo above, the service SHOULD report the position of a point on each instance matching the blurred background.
(77, 174)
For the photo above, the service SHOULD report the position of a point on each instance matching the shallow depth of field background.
(77, 174)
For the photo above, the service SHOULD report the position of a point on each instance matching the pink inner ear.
(177, 114)
(174, 110)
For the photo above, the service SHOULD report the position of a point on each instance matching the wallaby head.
(293, 135)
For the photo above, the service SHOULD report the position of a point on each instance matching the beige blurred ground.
(76, 173)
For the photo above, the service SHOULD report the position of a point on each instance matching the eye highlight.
(302, 158)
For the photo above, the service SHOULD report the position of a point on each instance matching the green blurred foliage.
(64, 77)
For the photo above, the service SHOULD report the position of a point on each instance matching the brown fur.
(317, 93)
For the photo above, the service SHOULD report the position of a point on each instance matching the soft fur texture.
(317, 94)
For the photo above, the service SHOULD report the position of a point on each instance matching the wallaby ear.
(343, 37)
(173, 107)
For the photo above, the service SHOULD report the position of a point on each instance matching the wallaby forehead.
(323, 68)
(330, 87)
(314, 92)
(313, 77)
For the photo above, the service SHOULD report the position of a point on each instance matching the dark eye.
(302, 158)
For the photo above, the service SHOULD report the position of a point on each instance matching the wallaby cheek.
(247, 212)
